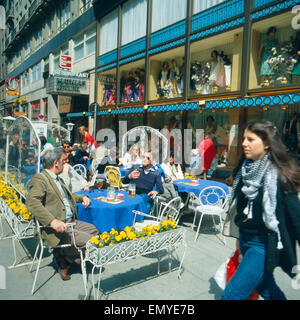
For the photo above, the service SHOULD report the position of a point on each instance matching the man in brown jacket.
(53, 205)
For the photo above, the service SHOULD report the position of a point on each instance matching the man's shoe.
(63, 269)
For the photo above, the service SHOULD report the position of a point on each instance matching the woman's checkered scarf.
(255, 174)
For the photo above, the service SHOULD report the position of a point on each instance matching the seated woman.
(132, 157)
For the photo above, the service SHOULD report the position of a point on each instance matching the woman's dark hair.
(289, 172)
(215, 52)
(271, 29)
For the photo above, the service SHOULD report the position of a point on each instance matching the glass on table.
(131, 190)
(111, 194)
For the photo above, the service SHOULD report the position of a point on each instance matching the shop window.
(216, 64)
(166, 75)
(107, 83)
(275, 59)
(223, 130)
(133, 120)
(35, 110)
(132, 82)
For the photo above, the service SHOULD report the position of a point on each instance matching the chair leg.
(196, 236)
(37, 269)
(193, 225)
(34, 257)
(221, 223)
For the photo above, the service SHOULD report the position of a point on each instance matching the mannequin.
(164, 80)
(263, 53)
(174, 77)
(215, 78)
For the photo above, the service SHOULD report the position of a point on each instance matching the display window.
(166, 78)
(107, 84)
(132, 82)
(224, 130)
(275, 53)
(216, 64)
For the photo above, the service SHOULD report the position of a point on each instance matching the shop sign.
(64, 104)
(65, 62)
(12, 93)
(68, 85)
(12, 84)
(16, 114)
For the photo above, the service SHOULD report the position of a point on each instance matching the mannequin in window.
(217, 72)
(112, 98)
(263, 54)
(164, 80)
(296, 70)
(227, 69)
(174, 77)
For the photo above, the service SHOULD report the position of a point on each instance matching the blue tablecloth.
(196, 188)
(106, 216)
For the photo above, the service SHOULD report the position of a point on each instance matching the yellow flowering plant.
(9, 195)
(130, 233)
(188, 176)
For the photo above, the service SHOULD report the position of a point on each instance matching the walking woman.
(267, 216)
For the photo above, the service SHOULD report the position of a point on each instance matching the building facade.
(194, 64)
(196, 61)
(50, 50)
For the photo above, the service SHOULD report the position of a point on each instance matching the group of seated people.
(151, 180)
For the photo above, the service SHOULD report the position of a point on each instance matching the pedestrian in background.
(264, 213)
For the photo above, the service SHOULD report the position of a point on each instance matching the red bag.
(232, 265)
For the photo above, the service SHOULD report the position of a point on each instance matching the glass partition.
(216, 64)
(275, 53)
(166, 79)
(2, 144)
(23, 154)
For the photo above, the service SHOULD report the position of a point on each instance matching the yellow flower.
(118, 238)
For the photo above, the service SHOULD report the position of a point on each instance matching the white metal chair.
(213, 201)
(170, 210)
(42, 246)
(80, 169)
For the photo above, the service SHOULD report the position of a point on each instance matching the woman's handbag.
(232, 265)
(226, 271)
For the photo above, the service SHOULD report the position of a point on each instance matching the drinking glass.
(111, 194)
(131, 190)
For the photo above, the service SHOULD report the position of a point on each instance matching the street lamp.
(70, 126)
(7, 122)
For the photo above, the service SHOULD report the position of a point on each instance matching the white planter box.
(124, 251)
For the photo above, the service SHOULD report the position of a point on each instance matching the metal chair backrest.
(214, 196)
(171, 210)
(80, 169)
(113, 176)
(94, 165)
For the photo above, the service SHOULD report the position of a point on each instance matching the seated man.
(147, 180)
(169, 189)
(53, 205)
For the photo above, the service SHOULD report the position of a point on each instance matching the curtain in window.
(134, 20)
(109, 32)
(201, 5)
(167, 12)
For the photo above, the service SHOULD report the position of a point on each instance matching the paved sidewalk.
(135, 279)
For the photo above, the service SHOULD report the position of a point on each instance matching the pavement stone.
(135, 279)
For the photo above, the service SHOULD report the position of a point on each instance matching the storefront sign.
(65, 62)
(12, 84)
(64, 104)
(16, 114)
(60, 84)
(13, 93)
